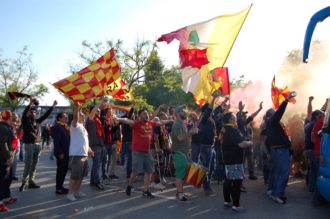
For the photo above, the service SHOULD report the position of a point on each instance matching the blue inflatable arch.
(317, 17)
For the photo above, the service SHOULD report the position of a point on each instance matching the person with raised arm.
(95, 131)
(79, 151)
(280, 145)
(32, 142)
(142, 162)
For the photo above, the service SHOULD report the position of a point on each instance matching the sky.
(53, 31)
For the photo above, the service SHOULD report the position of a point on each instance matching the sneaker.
(284, 198)
(71, 197)
(80, 195)
(279, 200)
(113, 177)
(184, 199)
(62, 191)
(100, 186)
(148, 194)
(128, 190)
(184, 194)
(227, 204)
(23, 187)
(3, 208)
(243, 189)
(209, 192)
(238, 209)
(253, 177)
(159, 186)
(10, 200)
(32, 185)
(269, 193)
(152, 185)
(104, 177)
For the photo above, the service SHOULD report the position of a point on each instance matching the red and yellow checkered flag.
(100, 78)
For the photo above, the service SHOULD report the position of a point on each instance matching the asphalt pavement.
(113, 202)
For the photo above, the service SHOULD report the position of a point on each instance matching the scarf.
(99, 127)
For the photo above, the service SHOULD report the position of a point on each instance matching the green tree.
(162, 85)
(18, 74)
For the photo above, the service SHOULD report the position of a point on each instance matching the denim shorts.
(234, 171)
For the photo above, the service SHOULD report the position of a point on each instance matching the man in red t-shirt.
(142, 130)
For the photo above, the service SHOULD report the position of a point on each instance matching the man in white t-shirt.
(78, 152)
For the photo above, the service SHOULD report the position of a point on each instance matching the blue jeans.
(207, 158)
(31, 158)
(16, 157)
(281, 171)
(21, 150)
(106, 159)
(195, 151)
(97, 161)
(126, 149)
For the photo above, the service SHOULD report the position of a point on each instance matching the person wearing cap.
(180, 147)
(142, 162)
(32, 142)
(6, 160)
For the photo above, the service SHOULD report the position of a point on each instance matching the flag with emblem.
(100, 78)
(204, 47)
(279, 95)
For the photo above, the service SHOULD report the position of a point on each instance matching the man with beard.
(32, 142)
(180, 146)
(142, 162)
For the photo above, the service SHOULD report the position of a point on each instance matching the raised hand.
(241, 106)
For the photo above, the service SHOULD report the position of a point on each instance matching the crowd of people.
(165, 143)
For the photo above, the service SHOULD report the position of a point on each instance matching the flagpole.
(237, 35)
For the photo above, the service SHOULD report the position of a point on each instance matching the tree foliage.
(18, 74)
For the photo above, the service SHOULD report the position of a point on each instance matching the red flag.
(279, 95)
(221, 75)
(195, 58)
